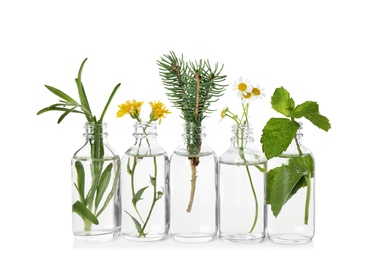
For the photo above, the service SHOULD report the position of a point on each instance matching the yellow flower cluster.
(158, 111)
(133, 108)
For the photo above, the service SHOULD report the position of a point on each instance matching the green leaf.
(109, 101)
(112, 192)
(277, 136)
(103, 184)
(282, 102)
(319, 120)
(137, 224)
(65, 114)
(304, 109)
(283, 184)
(137, 196)
(80, 179)
(85, 213)
(81, 91)
(60, 94)
(270, 180)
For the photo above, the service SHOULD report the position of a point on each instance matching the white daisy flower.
(257, 92)
(243, 88)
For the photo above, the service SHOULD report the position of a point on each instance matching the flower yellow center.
(242, 86)
(247, 95)
(256, 91)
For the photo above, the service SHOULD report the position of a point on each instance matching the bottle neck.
(193, 137)
(145, 130)
(95, 132)
(242, 136)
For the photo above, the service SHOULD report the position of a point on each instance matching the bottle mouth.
(95, 129)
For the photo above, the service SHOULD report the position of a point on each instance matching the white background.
(334, 52)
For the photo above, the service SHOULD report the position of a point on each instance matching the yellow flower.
(158, 111)
(133, 108)
(223, 112)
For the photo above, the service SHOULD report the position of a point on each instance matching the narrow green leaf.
(283, 184)
(109, 101)
(61, 94)
(137, 224)
(81, 90)
(65, 114)
(277, 136)
(80, 179)
(319, 120)
(85, 213)
(112, 192)
(282, 102)
(138, 195)
(54, 108)
(103, 184)
(304, 109)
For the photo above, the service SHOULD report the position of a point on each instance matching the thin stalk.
(256, 202)
(298, 147)
(154, 196)
(308, 191)
(131, 172)
(193, 186)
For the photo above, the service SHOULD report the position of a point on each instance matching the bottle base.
(193, 237)
(242, 238)
(292, 239)
(148, 238)
(97, 236)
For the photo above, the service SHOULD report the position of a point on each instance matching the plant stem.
(193, 185)
(131, 172)
(154, 197)
(255, 196)
(308, 191)
(298, 147)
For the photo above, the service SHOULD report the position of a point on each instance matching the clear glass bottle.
(145, 202)
(294, 224)
(95, 187)
(242, 189)
(193, 188)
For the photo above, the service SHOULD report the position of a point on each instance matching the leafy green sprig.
(191, 87)
(278, 133)
(87, 207)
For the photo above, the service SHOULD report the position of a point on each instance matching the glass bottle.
(242, 189)
(95, 187)
(193, 188)
(143, 186)
(294, 224)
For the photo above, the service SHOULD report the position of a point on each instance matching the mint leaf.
(277, 136)
(319, 120)
(282, 102)
(270, 181)
(283, 185)
(304, 109)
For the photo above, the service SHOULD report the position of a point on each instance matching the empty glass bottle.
(290, 195)
(95, 192)
(193, 188)
(242, 189)
(145, 203)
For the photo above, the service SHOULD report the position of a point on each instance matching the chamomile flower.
(243, 88)
(257, 92)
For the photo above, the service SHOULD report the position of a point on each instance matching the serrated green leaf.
(103, 184)
(270, 180)
(304, 109)
(138, 195)
(282, 102)
(80, 179)
(277, 136)
(319, 120)
(283, 184)
(85, 213)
